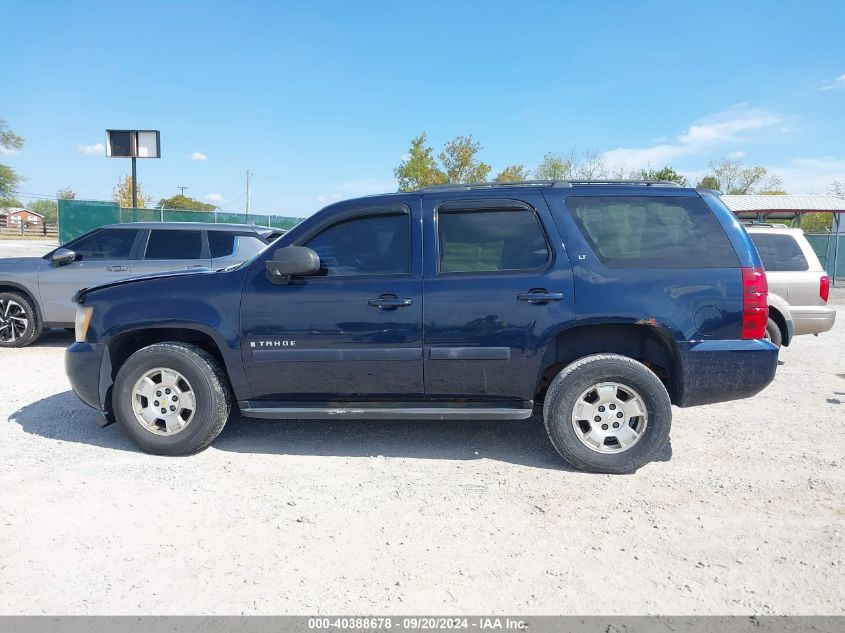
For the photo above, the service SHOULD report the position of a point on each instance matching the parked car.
(36, 292)
(597, 304)
(798, 284)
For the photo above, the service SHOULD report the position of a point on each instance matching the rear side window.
(111, 244)
(174, 245)
(652, 232)
(779, 252)
(223, 244)
(490, 241)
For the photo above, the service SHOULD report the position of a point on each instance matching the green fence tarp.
(80, 216)
(825, 245)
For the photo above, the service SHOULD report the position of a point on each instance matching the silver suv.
(35, 292)
(798, 285)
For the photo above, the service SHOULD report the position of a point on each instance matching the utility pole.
(248, 192)
(181, 190)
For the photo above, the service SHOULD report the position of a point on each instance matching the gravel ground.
(743, 515)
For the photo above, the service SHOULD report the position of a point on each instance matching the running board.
(386, 410)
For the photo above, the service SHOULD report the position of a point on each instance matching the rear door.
(497, 285)
(173, 249)
(102, 256)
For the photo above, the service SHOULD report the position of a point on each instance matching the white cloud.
(214, 197)
(833, 84)
(809, 175)
(7, 151)
(198, 156)
(731, 126)
(736, 155)
(98, 149)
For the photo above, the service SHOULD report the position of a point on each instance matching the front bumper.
(812, 319)
(716, 371)
(84, 368)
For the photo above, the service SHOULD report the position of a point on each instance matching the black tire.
(209, 385)
(574, 380)
(32, 330)
(773, 333)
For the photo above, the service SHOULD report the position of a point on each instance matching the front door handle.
(389, 302)
(117, 268)
(539, 296)
(194, 266)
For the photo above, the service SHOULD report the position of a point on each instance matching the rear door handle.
(117, 268)
(389, 302)
(539, 296)
(194, 266)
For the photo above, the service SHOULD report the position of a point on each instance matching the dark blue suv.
(599, 304)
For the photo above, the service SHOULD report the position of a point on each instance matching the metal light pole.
(134, 185)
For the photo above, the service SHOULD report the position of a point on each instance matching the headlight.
(83, 320)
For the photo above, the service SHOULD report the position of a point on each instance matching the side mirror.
(63, 256)
(290, 261)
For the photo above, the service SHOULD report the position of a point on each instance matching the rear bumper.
(716, 371)
(812, 319)
(84, 368)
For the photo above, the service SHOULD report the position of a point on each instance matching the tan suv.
(798, 285)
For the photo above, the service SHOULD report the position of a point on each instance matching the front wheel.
(19, 325)
(171, 398)
(607, 413)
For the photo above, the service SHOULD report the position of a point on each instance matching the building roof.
(796, 204)
(8, 210)
(30, 211)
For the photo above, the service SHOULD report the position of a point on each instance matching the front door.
(103, 256)
(498, 286)
(354, 332)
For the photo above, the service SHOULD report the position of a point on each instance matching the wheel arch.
(778, 317)
(11, 286)
(650, 344)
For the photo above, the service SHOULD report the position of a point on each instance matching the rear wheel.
(171, 399)
(19, 325)
(773, 333)
(607, 413)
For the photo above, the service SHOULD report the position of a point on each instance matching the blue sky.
(320, 99)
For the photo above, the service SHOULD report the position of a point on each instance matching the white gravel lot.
(743, 515)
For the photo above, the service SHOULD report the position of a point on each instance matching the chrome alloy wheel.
(609, 417)
(163, 401)
(13, 320)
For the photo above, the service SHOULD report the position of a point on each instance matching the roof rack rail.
(769, 225)
(548, 183)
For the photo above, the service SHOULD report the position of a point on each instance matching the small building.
(18, 216)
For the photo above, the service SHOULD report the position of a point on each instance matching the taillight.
(755, 303)
(824, 288)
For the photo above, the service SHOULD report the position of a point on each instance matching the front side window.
(490, 240)
(108, 244)
(652, 232)
(365, 245)
(779, 253)
(174, 244)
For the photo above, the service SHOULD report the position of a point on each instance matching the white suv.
(798, 285)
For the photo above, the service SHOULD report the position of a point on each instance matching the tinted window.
(490, 240)
(368, 245)
(106, 244)
(779, 252)
(652, 232)
(174, 245)
(223, 244)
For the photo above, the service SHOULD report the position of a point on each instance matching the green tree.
(460, 162)
(122, 194)
(555, 167)
(667, 173)
(420, 168)
(48, 208)
(816, 222)
(9, 179)
(736, 178)
(10, 202)
(513, 173)
(180, 201)
(708, 182)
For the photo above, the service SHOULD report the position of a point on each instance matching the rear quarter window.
(779, 253)
(652, 232)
